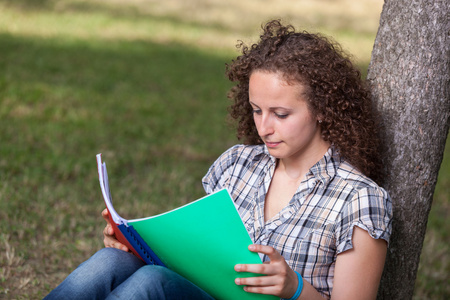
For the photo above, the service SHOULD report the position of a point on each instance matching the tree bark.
(409, 79)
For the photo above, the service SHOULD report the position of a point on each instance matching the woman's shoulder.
(355, 179)
(367, 206)
(230, 164)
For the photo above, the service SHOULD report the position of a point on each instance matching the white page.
(104, 186)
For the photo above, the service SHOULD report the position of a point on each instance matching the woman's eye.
(256, 111)
(281, 116)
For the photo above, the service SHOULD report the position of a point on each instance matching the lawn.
(143, 83)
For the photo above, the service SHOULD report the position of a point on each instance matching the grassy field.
(143, 83)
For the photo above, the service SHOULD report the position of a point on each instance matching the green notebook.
(202, 241)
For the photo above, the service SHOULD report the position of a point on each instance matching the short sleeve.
(369, 209)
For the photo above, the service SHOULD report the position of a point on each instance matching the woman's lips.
(272, 144)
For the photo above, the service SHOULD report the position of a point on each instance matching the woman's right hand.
(109, 239)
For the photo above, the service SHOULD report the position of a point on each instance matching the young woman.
(301, 183)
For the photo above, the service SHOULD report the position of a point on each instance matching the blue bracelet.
(299, 287)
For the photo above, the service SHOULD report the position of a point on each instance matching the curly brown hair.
(335, 91)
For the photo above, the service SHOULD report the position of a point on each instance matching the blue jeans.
(115, 274)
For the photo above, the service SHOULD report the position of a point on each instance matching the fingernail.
(237, 281)
(237, 267)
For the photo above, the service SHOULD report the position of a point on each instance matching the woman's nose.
(265, 127)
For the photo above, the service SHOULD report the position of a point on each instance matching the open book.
(201, 241)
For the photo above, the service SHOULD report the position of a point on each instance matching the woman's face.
(283, 118)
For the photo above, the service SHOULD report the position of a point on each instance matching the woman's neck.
(296, 168)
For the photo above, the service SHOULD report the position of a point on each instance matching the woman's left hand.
(280, 279)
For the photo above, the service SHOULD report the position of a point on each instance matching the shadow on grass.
(181, 16)
(125, 11)
(30, 4)
(134, 85)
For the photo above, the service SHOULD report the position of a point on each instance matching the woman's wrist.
(299, 287)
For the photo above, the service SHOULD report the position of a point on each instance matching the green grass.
(144, 84)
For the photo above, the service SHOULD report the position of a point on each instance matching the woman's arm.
(280, 281)
(358, 271)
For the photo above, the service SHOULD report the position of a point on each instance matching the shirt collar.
(262, 151)
(326, 168)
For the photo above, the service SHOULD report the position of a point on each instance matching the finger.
(264, 269)
(120, 246)
(267, 250)
(111, 242)
(261, 285)
(108, 239)
(267, 280)
(271, 284)
(105, 214)
(108, 231)
(266, 290)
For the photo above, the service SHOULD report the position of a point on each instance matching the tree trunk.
(409, 78)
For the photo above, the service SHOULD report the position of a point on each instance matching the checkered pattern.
(318, 223)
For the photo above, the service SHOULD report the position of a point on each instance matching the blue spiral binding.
(140, 245)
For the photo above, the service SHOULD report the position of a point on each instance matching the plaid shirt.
(318, 223)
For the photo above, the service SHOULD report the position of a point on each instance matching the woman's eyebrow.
(253, 104)
(273, 108)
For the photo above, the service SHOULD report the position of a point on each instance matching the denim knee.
(156, 282)
(110, 261)
(154, 275)
(98, 276)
